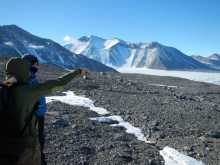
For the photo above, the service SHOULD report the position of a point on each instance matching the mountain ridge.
(15, 42)
(213, 60)
(118, 53)
(98, 54)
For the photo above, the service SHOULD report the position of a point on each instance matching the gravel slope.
(179, 117)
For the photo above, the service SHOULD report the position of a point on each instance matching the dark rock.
(75, 133)
(214, 134)
(123, 154)
(121, 138)
(52, 113)
(85, 150)
(62, 122)
(187, 148)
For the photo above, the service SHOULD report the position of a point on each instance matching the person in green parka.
(18, 70)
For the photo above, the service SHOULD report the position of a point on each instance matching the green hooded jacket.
(27, 95)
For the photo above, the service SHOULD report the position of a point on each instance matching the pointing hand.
(87, 72)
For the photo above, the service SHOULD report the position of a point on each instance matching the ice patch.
(72, 99)
(173, 157)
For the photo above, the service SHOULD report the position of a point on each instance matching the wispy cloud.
(69, 39)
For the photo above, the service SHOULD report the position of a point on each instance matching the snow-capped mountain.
(213, 60)
(15, 42)
(118, 53)
(214, 57)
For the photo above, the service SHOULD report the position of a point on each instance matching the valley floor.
(171, 111)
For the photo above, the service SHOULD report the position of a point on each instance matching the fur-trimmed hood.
(17, 68)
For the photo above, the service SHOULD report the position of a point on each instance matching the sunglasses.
(37, 63)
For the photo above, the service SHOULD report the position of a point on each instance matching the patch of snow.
(129, 128)
(110, 43)
(161, 85)
(173, 157)
(8, 43)
(36, 47)
(72, 99)
(170, 155)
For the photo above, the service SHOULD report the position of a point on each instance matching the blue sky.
(191, 26)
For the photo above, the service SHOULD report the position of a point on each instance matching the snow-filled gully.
(170, 155)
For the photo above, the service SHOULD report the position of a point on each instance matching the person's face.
(36, 64)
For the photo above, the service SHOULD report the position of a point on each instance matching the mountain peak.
(154, 44)
(14, 30)
(10, 26)
(17, 42)
(118, 53)
(119, 40)
(90, 38)
(84, 39)
(214, 57)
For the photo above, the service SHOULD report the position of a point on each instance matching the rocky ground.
(179, 114)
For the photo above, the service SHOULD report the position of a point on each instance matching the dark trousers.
(41, 137)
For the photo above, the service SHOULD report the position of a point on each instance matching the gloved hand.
(86, 72)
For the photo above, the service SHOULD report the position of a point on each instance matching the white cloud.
(69, 39)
